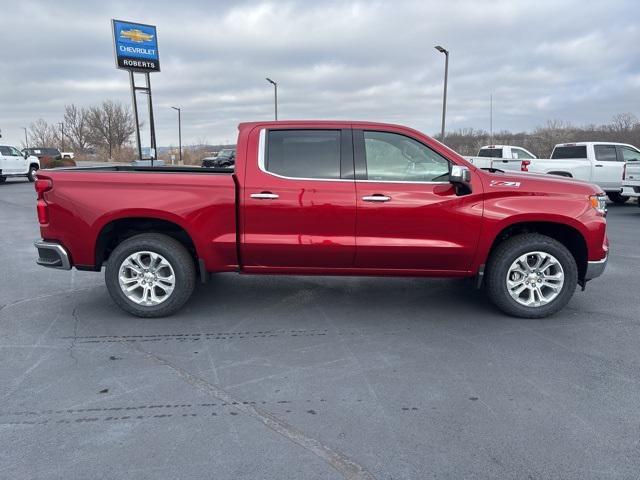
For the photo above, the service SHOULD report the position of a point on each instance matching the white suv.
(14, 164)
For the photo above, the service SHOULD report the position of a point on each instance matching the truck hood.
(538, 183)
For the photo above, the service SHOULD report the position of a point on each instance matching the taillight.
(43, 185)
(524, 166)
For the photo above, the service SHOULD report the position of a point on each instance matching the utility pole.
(26, 141)
(275, 92)
(179, 134)
(444, 98)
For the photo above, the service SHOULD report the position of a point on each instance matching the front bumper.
(595, 269)
(52, 255)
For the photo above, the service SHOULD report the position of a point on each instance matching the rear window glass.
(490, 152)
(577, 151)
(304, 153)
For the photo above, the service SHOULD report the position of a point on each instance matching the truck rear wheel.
(150, 275)
(531, 276)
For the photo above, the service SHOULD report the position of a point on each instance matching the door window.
(605, 153)
(392, 157)
(6, 151)
(629, 154)
(15, 152)
(520, 154)
(304, 153)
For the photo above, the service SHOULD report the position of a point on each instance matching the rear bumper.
(52, 255)
(595, 269)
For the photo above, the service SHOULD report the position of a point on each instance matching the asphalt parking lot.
(314, 377)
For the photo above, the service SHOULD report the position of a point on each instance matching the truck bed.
(86, 202)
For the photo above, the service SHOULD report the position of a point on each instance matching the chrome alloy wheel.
(535, 279)
(146, 278)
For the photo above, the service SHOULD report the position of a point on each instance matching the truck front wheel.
(531, 276)
(150, 275)
(617, 198)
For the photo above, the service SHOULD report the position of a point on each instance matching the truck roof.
(575, 144)
(305, 123)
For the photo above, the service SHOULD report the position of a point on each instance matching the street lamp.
(179, 134)
(275, 91)
(444, 99)
(26, 141)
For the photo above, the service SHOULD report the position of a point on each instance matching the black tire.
(33, 170)
(617, 198)
(507, 252)
(176, 255)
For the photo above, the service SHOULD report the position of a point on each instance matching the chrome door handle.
(599, 165)
(265, 196)
(376, 198)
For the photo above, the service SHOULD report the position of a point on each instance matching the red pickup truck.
(325, 198)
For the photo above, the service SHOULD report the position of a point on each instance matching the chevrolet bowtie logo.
(136, 35)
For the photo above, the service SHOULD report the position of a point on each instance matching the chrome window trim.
(262, 148)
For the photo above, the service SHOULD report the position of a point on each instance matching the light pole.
(26, 141)
(275, 92)
(62, 134)
(444, 99)
(179, 134)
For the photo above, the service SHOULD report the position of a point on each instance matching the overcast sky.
(577, 61)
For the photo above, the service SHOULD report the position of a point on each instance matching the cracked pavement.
(313, 377)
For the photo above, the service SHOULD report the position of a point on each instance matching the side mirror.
(25, 155)
(460, 177)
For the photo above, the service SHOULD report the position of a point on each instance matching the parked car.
(631, 178)
(13, 163)
(329, 198)
(601, 163)
(493, 156)
(226, 158)
(49, 157)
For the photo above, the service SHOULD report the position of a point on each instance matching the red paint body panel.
(316, 226)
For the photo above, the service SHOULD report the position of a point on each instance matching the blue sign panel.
(136, 46)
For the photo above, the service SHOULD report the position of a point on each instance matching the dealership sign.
(136, 46)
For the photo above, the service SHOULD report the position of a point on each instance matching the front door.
(298, 201)
(607, 167)
(409, 215)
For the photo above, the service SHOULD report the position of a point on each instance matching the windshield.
(575, 151)
(490, 152)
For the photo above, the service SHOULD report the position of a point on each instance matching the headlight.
(599, 203)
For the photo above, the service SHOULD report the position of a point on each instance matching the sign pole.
(135, 112)
(154, 155)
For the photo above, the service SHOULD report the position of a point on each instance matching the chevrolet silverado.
(324, 198)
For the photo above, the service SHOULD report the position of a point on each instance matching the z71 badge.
(504, 183)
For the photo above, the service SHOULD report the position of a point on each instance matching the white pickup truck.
(495, 156)
(631, 179)
(601, 163)
(13, 163)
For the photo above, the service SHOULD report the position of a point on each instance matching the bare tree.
(624, 122)
(111, 126)
(76, 122)
(42, 134)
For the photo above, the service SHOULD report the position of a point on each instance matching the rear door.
(409, 216)
(608, 168)
(299, 206)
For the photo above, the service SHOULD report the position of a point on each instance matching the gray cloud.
(368, 60)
